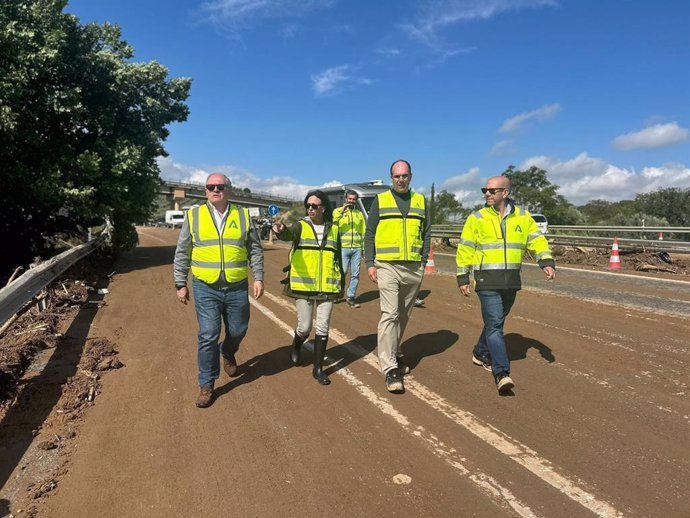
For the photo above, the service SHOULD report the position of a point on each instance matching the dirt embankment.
(49, 375)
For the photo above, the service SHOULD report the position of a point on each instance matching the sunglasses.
(216, 187)
(312, 206)
(492, 190)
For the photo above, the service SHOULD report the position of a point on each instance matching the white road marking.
(487, 484)
(505, 444)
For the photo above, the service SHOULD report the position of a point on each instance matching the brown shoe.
(230, 366)
(205, 396)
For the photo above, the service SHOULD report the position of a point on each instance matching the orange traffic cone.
(661, 236)
(615, 260)
(430, 266)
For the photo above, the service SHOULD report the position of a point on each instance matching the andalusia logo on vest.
(517, 228)
(233, 224)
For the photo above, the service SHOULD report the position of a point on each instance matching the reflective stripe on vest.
(312, 267)
(351, 227)
(398, 237)
(482, 245)
(213, 254)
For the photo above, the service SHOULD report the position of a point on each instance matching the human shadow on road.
(418, 347)
(367, 296)
(414, 349)
(4, 507)
(269, 363)
(518, 345)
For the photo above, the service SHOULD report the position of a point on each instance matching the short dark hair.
(350, 192)
(327, 209)
(409, 167)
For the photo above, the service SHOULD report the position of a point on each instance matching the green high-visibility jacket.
(496, 258)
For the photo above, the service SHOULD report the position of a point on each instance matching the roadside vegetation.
(81, 126)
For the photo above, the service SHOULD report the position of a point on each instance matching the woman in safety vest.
(316, 277)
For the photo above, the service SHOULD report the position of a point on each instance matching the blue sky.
(291, 95)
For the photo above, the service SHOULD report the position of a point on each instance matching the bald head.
(498, 181)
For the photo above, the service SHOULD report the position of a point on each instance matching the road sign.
(273, 210)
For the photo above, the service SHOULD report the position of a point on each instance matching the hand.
(258, 289)
(278, 228)
(183, 295)
(550, 273)
(371, 271)
(465, 290)
(345, 208)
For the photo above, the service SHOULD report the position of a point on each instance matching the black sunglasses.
(493, 190)
(312, 206)
(217, 186)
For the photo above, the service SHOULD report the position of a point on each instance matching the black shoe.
(297, 342)
(351, 302)
(504, 382)
(402, 366)
(319, 355)
(482, 361)
(394, 381)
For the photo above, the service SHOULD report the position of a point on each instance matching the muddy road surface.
(597, 425)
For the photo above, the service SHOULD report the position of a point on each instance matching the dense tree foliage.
(445, 208)
(532, 190)
(81, 126)
(671, 204)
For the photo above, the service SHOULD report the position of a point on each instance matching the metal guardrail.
(16, 295)
(667, 245)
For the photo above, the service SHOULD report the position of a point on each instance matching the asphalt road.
(596, 426)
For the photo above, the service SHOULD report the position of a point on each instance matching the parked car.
(541, 222)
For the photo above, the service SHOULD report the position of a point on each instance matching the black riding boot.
(296, 348)
(319, 354)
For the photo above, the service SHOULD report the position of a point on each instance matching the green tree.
(532, 190)
(671, 204)
(81, 126)
(446, 208)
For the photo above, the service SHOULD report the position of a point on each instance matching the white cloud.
(465, 187)
(278, 185)
(438, 15)
(585, 178)
(503, 148)
(335, 79)
(659, 135)
(541, 114)
(235, 15)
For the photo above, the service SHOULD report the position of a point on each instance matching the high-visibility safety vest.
(495, 258)
(213, 254)
(398, 237)
(351, 227)
(315, 267)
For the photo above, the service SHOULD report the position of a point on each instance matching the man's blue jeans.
(496, 305)
(213, 305)
(352, 258)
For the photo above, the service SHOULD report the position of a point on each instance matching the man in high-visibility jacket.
(492, 244)
(219, 242)
(396, 247)
(350, 221)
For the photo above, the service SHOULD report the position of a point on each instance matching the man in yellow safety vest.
(219, 242)
(492, 243)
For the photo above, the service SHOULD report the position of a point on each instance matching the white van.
(541, 222)
(366, 191)
(174, 218)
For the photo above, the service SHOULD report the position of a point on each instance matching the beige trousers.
(399, 284)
